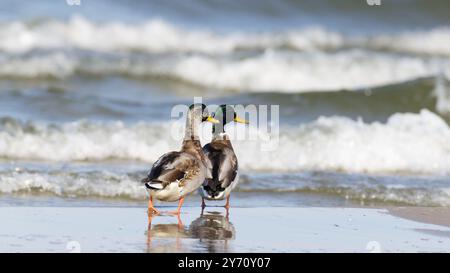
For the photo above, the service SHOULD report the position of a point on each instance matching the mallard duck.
(223, 162)
(176, 174)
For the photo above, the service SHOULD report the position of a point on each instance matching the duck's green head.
(226, 114)
(200, 112)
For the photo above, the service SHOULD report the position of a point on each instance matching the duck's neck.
(218, 132)
(192, 128)
(194, 147)
(191, 143)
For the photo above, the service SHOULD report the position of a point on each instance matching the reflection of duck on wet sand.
(212, 226)
(166, 232)
(212, 229)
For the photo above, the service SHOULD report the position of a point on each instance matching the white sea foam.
(407, 143)
(127, 186)
(84, 141)
(57, 65)
(274, 71)
(432, 42)
(102, 184)
(154, 36)
(159, 36)
(321, 60)
(295, 60)
(271, 71)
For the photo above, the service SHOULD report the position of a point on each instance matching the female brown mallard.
(223, 161)
(176, 174)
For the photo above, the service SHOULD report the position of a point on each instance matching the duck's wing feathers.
(224, 164)
(227, 168)
(170, 167)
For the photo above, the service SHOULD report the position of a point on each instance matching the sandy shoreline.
(279, 229)
(431, 215)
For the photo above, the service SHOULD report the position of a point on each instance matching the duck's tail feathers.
(153, 184)
(212, 189)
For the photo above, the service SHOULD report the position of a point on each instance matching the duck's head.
(226, 114)
(198, 111)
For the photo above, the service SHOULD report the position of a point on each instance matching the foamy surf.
(406, 143)
(294, 60)
(363, 189)
(90, 184)
(427, 191)
(267, 72)
(283, 72)
(158, 36)
(154, 36)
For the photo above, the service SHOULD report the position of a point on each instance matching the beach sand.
(431, 215)
(271, 229)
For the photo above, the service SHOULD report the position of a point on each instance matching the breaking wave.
(406, 143)
(158, 36)
(306, 59)
(270, 71)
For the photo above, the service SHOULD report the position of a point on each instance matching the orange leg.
(151, 209)
(180, 223)
(180, 203)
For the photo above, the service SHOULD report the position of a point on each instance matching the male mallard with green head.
(176, 174)
(223, 161)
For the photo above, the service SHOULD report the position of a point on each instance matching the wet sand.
(431, 215)
(272, 229)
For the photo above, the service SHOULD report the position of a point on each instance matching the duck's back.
(170, 167)
(224, 167)
(181, 167)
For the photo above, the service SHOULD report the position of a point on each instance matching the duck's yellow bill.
(238, 119)
(211, 119)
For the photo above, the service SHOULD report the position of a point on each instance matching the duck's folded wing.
(223, 162)
(171, 175)
(167, 169)
(165, 178)
(228, 167)
(209, 165)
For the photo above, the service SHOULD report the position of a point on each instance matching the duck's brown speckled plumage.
(178, 173)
